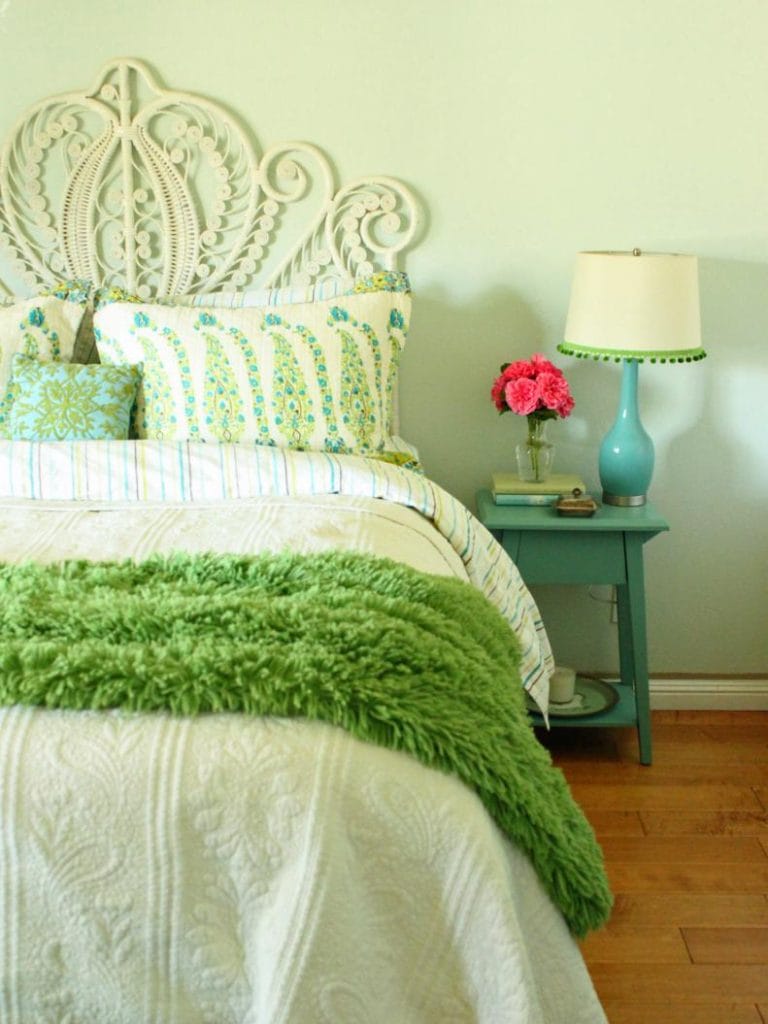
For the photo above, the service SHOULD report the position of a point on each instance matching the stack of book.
(509, 489)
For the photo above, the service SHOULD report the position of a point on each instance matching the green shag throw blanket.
(414, 662)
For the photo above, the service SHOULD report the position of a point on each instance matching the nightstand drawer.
(549, 557)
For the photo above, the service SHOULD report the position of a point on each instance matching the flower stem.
(536, 440)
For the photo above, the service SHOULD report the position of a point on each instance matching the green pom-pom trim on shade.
(619, 354)
(683, 355)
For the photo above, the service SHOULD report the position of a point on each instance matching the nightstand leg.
(626, 657)
(633, 641)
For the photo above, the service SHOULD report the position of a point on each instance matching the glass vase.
(535, 455)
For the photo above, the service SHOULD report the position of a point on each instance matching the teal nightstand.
(604, 548)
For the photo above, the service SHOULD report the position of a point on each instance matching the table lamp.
(628, 307)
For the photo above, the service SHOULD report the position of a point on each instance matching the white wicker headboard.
(161, 192)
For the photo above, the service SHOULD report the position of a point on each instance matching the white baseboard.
(709, 694)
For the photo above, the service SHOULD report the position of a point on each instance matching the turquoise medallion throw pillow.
(45, 327)
(71, 401)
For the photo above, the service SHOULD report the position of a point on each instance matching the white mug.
(562, 685)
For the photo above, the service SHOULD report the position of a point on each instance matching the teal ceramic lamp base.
(626, 454)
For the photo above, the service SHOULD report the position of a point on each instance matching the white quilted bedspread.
(260, 871)
(224, 869)
(48, 531)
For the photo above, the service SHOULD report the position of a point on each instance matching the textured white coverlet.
(45, 531)
(227, 869)
(260, 871)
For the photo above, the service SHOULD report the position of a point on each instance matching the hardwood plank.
(710, 717)
(700, 910)
(727, 945)
(739, 752)
(684, 849)
(625, 944)
(617, 797)
(664, 1013)
(632, 877)
(711, 773)
(672, 744)
(676, 744)
(713, 823)
(667, 731)
(616, 823)
(692, 984)
(761, 794)
(762, 1009)
(737, 731)
(662, 733)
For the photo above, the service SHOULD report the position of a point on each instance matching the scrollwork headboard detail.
(161, 192)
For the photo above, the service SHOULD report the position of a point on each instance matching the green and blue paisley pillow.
(44, 327)
(312, 376)
(70, 401)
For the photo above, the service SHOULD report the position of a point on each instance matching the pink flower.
(522, 395)
(566, 407)
(532, 387)
(542, 365)
(553, 390)
(520, 368)
(497, 394)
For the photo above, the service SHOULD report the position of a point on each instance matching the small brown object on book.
(577, 503)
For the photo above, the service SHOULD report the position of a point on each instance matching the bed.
(263, 742)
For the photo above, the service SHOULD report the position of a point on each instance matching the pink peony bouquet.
(536, 389)
(532, 387)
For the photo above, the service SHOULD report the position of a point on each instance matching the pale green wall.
(531, 129)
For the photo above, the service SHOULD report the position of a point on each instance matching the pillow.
(71, 402)
(310, 376)
(45, 327)
(290, 295)
(287, 295)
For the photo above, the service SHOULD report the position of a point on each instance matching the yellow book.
(557, 483)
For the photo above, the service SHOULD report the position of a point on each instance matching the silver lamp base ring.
(625, 500)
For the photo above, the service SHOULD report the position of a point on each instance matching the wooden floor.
(686, 848)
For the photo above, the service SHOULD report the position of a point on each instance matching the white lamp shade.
(632, 305)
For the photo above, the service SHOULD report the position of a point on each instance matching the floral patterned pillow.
(71, 402)
(311, 376)
(45, 327)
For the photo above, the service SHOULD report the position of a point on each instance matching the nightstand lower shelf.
(623, 713)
